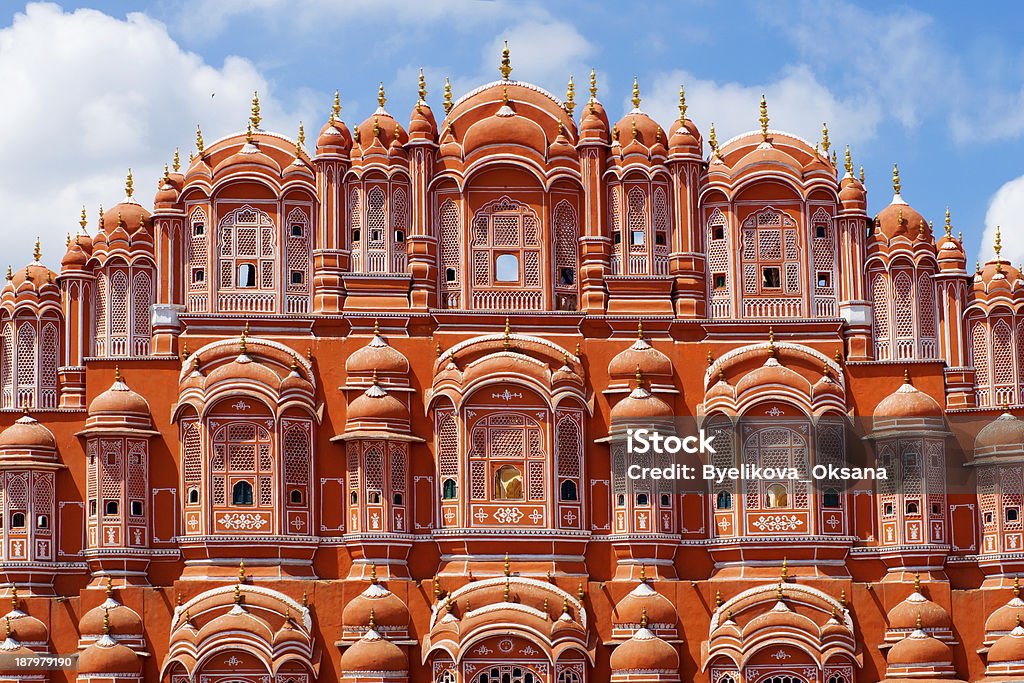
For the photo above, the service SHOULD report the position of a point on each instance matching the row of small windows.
(241, 494)
(247, 276)
(375, 235)
(507, 486)
(373, 498)
(112, 508)
(638, 237)
(1011, 514)
(778, 497)
(718, 232)
(771, 278)
(18, 521)
(913, 507)
(296, 230)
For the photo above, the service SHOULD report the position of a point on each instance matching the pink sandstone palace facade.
(347, 414)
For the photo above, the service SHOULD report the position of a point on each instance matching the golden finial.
(565, 604)
(861, 176)
(825, 144)
(199, 139)
(785, 569)
(373, 574)
(82, 221)
(67, 242)
(643, 573)
(129, 184)
(167, 175)
(764, 119)
(423, 88)
(437, 348)
(376, 126)
(834, 159)
(771, 340)
(643, 618)
(899, 216)
(998, 245)
(579, 350)
(570, 96)
(373, 619)
(506, 343)
(241, 571)
(842, 598)
(506, 63)
(117, 373)
(238, 594)
(896, 178)
(718, 598)
(14, 597)
(906, 376)
(37, 251)
(682, 103)
(849, 162)
(1016, 586)
(593, 85)
(615, 132)
(917, 582)
(248, 133)
(336, 106)
(918, 626)
(713, 141)
(176, 165)
(302, 134)
(110, 587)
(254, 117)
(634, 130)
(504, 94)
(508, 589)
(447, 95)
(381, 98)
(437, 588)
(779, 593)
(710, 359)
(579, 592)
(10, 273)
(7, 627)
(106, 623)
(639, 329)
(639, 377)
(508, 567)
(636, 93)
(178, 600)
(839, 357)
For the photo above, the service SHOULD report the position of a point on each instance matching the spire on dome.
(129, 185)
(998, 244)
(570, 96)
(639, 377)
(506, 342)
(447, 95)
(643, 573)
(713, 141)
(422, 92)
(764, 119)
(771, 341)
(110, 587)
(106, 621)
(381, 97)
(896, 186)
(1016, 586)
(199, 139)
(83, 221)
(906, 376)
(176, 163)
(254, 117)
(508, 566)
(14, 597)
(848, 163)
(636, 93)
(949, 226)
(682, 103)
(825, 144)
(508, 589)
(506, 63)
(784, 574)
(300, 140)
(248, 133)
(37, 252)
(238, 594)
(643, 618)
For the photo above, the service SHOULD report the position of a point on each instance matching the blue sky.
(937, 87)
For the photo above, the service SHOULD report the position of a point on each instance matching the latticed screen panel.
(506, 257)
(979, 358)
(451, 261)
(244, 449)
(880, 307)
(297, 453)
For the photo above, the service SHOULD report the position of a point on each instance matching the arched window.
(567, 239)
(448, 489)
(830, 498)
(246, 275)
(111, 508)
(506, 251)
(247, 262)
(241, 493)
(295, 497)
(18, 520)
(508, 483)
(723, 500)
(567, 491)
(375, 235)
(451, 251)
(506, 268)
(776, 496)
(243, 452)
(42, 522)
(193, 496)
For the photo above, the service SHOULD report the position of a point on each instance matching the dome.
(334, 138)
(380, 126)
(1009, 648)
(127, 214)
(245, 368)
(1000, 436)
(919, 649)
(11, 648)
(107, 656)
(373, 653)
(239, 620)
(422, 125)
(852, 193)
(772, 373)
(684, 138)
(119, 400)
(899, 219)
(644, 652)
(650, 361)
(631, 609)
(905, 615)
(907, 402)
(75, 257)
(594, 124)
(123, 621)
(377, 356)
(640, 405)
(32, 277)
(26, 628)
(637, 127)
(389, 612)
(376, 405)
(166, 193)
(27, 433)
(1005, 619)
(249, 155)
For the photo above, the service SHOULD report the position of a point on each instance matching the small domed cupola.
(119, 409)
(422, 125)
(334, 137)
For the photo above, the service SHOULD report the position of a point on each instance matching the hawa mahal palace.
(346, 414)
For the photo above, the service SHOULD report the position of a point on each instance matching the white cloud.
(797, 103)
(90, 95)
(1005, 209)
